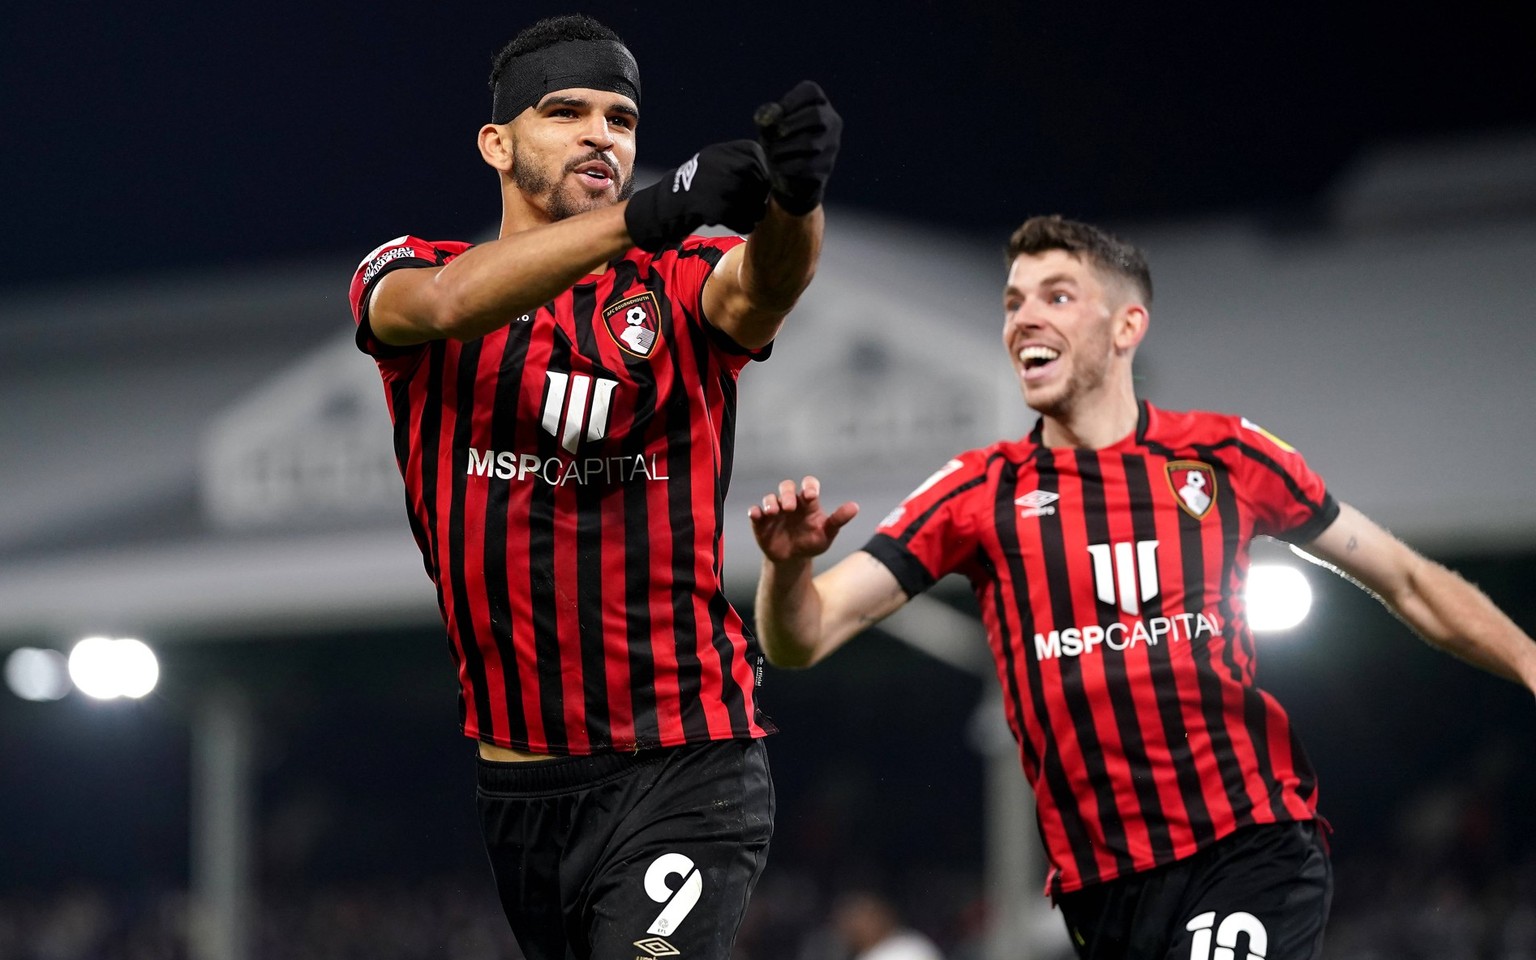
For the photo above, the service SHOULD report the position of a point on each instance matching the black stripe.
(431, 426)
(1117, 684)
(719, 606)
(505, 436)
(1005, 521)
(1192, 547)
(637, 570)
(1255, 717)
(677, 415)
(911, 529)
(910, 574)
(400, 405)
(458, 569)
(543, 586)
(637, 542)
(732, 697)
(404, 420)
(589, 545)
(1139, 484)
(1053, 547)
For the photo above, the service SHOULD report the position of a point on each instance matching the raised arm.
(802, 618)
(493, 283)
(757, 284)
(1441, 607)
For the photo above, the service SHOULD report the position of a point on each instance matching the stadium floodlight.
(1278, 597)
(37, 675)
(105, 668)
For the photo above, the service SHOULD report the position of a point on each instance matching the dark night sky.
(157, 136)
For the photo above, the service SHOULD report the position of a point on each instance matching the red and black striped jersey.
(564, 479)
(1111, 585)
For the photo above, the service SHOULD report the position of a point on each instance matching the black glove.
(724, 183)
(800, 134)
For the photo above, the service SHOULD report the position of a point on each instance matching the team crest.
(1194, 484)
(634, 323)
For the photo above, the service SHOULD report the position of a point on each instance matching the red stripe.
(1060, 716)
(1165, 516)
(519, 565)
(475, 493)
(1093, 666)
(1137, 663)
(1243, 753)
(669, 716)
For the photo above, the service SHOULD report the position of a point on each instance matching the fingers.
(788, 498)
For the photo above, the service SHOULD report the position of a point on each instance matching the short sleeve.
(399, 253)
(932, 532)
(1289, 500)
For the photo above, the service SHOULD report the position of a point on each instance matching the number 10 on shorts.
(1226, 936)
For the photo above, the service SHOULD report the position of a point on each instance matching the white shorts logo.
(678, 902)
(1226, 936)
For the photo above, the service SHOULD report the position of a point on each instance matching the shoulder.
(433, 252)
(403, 251)
(693, 253)
(1184, 428)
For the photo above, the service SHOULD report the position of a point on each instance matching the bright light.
(105, 668)
(1278, 597)
(34, 674)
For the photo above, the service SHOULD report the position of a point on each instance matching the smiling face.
(571, 152)
(1070, 333)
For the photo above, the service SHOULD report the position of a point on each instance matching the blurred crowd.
(1382, 911)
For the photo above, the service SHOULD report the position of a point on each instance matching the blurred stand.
(223, 748)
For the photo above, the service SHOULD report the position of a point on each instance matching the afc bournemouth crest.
(1194, 483)
(635, 325)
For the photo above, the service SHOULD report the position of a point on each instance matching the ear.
(1129, 325)
(497, 145)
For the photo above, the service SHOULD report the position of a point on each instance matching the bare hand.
(790, 524)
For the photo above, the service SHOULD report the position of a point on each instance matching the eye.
(621, 120)
(562, 112)
(1060, 297)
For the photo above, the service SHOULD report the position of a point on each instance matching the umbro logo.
(682, 180)
(1037, 503)
(657, 947)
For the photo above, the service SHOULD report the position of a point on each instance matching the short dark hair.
(547, 32)
(1098, 248)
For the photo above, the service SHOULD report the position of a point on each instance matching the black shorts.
(649, 854)
(1262, 892)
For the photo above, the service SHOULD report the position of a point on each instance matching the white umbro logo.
(683, 178)
(1037, 503)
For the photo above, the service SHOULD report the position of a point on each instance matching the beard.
(1086, 379)
(561, 202)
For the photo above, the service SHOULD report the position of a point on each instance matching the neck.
(1093, 426)
(518, 213)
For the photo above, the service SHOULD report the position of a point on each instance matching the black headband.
(594, 64)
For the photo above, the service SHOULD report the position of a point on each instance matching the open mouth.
(596, 174)
(1037, 361)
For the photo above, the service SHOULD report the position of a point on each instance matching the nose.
(1021, 317)
(596, 134)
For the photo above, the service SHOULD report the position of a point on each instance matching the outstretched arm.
(802, 618)
(756, 284)
(1440, 606)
